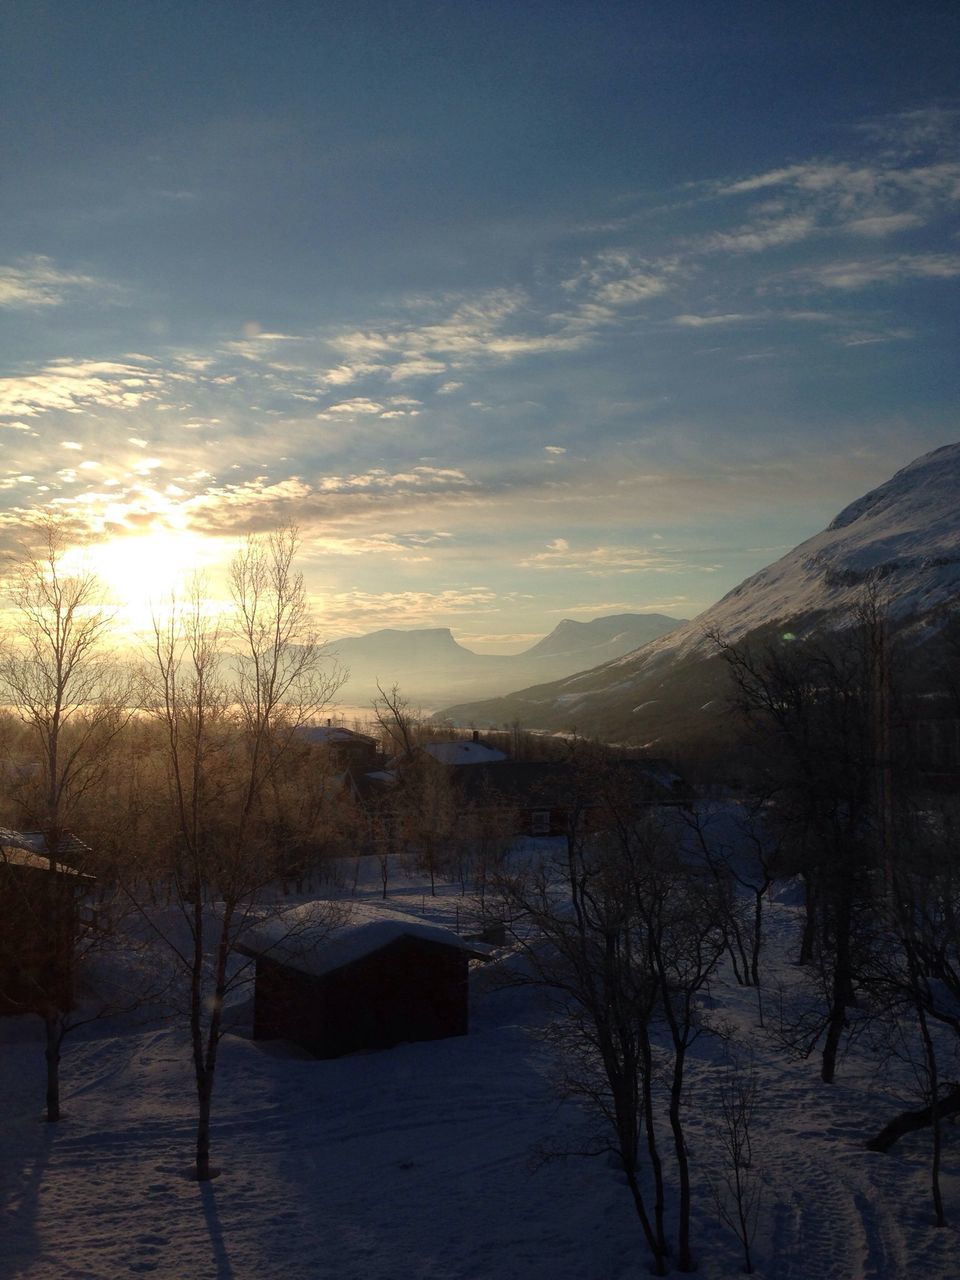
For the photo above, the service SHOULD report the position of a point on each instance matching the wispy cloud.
(910, 133)
(605, 561)
(704, 322)
(821, 197)
(764, 233)
(892, 269)
(363, 610)
(444, 334)
(73, 386)
(38, 282)
(617, 278)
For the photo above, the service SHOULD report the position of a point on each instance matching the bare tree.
(915, 981)
(624, 937)
(820, 711)
(229, 721)
(740, 1193)
(425, 811)
(58, 673)
(398, 720)
(741, 853)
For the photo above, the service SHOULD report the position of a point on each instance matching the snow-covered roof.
(333, 735)
(307, 938)
(16, 851)
(463, 752)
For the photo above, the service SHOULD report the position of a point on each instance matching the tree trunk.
(809, 920)
(757, 935)
(204, 1099)
(52, 1054)
(841, 988)
(912, 1121)
(656, 1163)
(684, 1261)
(654, 1242)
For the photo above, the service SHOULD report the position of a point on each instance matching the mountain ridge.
(903, 536)
(430, 665)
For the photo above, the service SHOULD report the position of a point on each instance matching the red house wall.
(411, 989)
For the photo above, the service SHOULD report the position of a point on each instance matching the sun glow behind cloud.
(142, 574)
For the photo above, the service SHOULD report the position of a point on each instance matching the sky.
(518, 310)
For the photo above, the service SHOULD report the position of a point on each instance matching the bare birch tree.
(59, 675)
(229, 717)
(625, 937)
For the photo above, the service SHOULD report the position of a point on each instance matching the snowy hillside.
(904, 536)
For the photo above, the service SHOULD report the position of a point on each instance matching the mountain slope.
(903, 536)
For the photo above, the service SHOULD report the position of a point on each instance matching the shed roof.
(69, 847)
(306, 939)
(463, 752)
(15, 851)
(334, 735)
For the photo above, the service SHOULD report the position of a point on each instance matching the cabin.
(39, 926)
(463, 752)
(348, 749)
(537, 797)
(378, 980)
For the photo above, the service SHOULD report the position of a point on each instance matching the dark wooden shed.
(39, 926)
(371, 984)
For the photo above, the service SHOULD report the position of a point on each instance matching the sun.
(142, 572)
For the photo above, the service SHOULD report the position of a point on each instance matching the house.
(378, 980)
(537, 797)
(39, 925)
(470, 751)
(348, 749)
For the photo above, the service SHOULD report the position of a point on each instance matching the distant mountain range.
(431, 668)
(903, 536)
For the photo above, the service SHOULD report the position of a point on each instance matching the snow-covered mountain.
(431, 667)
(903, 536)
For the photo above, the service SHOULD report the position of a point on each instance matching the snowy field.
(421, 1161)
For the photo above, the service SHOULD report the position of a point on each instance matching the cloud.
(37, 282)
(336, 505)
(765, 233)
(343, 374)
(416, 368)
(893, 269)
(878, 225)
(605, 561)
(356, 406)
(617, 278)
(365, 610)
(73, 385)
(909, 133)
(869, 200)
(598, 609)
(702, 322)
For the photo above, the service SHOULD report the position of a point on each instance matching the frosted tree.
(230, 694)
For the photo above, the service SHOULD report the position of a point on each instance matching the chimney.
(476, 735)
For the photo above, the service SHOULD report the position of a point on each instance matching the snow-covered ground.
(420, 1161)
